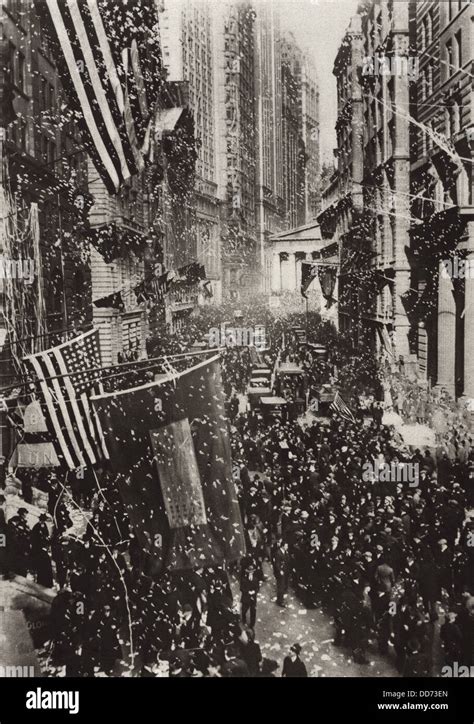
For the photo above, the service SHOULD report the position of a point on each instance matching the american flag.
(66, 374)
(109, 60)
(340, 407)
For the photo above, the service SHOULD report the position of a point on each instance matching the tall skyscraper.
(301, 99)
(237, 144)
(256, 122)
(189, 54)
(292, 136)
(270, 208)
(309, 113)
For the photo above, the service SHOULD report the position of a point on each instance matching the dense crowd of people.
(383, 553)
(388, 557)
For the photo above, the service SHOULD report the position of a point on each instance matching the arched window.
(422, 35)
(429, 28)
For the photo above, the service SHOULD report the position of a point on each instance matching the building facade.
(45, 284)
(442, 197)
(342, 205)
(293, 148)
(189, 54)
(400, 204)
(299, 66)
(309, 113)
(43, 172)
(371, 217)
(237, 146)
(386, 179)
(270, 205)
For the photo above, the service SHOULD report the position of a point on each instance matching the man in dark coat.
(234, 666)
(54, 493)
(233, 407)
(281, 569)
(452, 640)
(444, 565)
(40, 540)
(292, 665)
(19, 542)
(252, 654)
(428, 584)
(109, 649)
(249, 587)
(58, 553)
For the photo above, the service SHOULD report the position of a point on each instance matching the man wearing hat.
(249, 586)
(444, 565)
(292, 665)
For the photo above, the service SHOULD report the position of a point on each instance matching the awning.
(167, 119)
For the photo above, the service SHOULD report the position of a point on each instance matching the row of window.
(43, 91)
(452, 126)
(453, 55)
(17, 67)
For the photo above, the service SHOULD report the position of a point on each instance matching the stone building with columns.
(385, 183)
(285, 254)
(442, 204)
(190, 55)
(400, 204)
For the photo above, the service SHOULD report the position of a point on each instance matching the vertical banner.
(170, 451)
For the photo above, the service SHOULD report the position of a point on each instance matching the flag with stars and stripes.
(339, 406)
(109, 61)
(66, 374)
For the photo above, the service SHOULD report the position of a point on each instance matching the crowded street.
(346, 571)
(236, 365)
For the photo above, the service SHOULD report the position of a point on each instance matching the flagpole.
(146, 366)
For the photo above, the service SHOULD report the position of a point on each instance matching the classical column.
(284, 274)
(469, 320)
(300, 258)
(446, 332)
(276, 272)
(292, 271)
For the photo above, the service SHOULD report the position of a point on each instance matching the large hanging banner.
(170, 451)
(327, 278)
